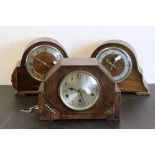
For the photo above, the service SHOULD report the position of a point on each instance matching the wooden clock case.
(52, 108)
(135, 83)
(21, 79)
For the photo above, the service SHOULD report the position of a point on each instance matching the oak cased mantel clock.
(38, 58)
(79, 89)
(119, 58)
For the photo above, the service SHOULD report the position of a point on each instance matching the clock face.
(79, 90)
(117, 62)
(41, 59)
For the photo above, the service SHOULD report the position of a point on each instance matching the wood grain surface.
(52, 107)
(135, 82)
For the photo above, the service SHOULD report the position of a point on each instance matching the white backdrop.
(78, 42)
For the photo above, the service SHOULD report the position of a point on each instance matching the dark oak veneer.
(21, 80)
(51, 106)
(135, 83)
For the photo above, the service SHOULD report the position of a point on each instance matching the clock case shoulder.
(21, 80)
(52, 108)
(135, 83)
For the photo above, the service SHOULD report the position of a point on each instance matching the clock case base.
(23, 82)
(48, 112)
(135, 83)
(51, 107)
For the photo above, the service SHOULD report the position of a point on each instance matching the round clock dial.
(117, 62)
(41, 59)
(79, 90)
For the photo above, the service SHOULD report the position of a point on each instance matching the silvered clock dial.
(116, 61)
(41, 59)
(79, 90)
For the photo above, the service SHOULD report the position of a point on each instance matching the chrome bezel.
(31, 51)
(72, 107)
(128, 59)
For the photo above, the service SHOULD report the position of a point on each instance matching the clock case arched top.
(135, 83)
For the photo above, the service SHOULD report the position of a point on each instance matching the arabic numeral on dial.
(78, 76)
(66, 84)
(44, 49)
(30, 63)
(86, 77)
(32, 70)
(58, 57)
(44, 75)
(72, 102)
(95, 89)
(80, 102)
(37, 52)
(87, 102)
(32, 57)
(92, 94)
(106, 67)
(67, 96)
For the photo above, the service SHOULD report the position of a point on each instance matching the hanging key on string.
(30, 109)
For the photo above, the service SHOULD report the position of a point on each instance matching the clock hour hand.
(81, 96)
(70, 88)
(79, 92)
(112, 65)
(44, 63)
(109, 62)
(84, 89)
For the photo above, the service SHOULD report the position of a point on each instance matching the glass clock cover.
(79, 90)
(117, 62)
(41, 59)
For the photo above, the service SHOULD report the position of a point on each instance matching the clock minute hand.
(117, 58)
(44, 63)
(78, 91)
(112, 64)
(109, 62)
(70, 88)
(81, 96)
(84, 89)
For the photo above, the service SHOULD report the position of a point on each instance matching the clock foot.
(22, 93)
(142, 93)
